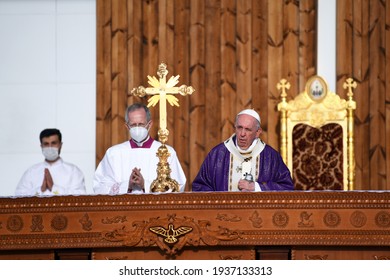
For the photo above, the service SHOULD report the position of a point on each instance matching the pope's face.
(247, 130)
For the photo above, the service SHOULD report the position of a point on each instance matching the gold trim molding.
(196, 220)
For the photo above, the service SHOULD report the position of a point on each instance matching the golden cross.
(283, 84)
(350, 83)
(162, 92)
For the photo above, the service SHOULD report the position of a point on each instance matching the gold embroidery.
(231, 171)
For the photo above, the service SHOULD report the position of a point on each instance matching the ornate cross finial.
(283, 85)
(162, 91)
(350, 83)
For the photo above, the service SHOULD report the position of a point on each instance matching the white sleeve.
(257, 187)
(104, 179)
(24, 187)
(75, 185)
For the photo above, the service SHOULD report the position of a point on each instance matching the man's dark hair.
(49, 132)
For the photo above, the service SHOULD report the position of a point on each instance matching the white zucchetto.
(250, 112)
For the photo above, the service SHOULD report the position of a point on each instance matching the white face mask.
(138, 133)
(50, 153)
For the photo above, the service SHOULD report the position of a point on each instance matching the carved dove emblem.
(170, 234)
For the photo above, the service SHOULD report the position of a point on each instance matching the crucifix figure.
(163, 91)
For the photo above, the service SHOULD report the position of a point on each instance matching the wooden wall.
(234, 52)
(363, 52)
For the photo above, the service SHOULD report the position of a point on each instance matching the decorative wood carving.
(170, 234)
(316, 257)
(173, 223)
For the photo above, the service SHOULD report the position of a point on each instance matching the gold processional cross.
(162, 91)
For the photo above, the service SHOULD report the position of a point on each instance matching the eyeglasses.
(137, 125)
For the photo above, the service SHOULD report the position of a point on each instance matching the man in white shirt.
(131, 167)
(52, 176)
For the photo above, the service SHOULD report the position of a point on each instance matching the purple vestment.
(213, 175)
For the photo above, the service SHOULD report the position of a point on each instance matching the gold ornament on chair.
(162, 91)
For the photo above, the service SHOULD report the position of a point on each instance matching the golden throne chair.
(317, 136)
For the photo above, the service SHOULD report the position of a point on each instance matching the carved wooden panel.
(341, 253)
(27, 255)
(213, 253)
(167, 225)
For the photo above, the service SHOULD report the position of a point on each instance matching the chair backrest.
(317, 136)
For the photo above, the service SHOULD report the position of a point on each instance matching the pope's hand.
(246, 186)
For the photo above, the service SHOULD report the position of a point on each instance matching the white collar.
(250, 149)
(257, 148)
(139, 144)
